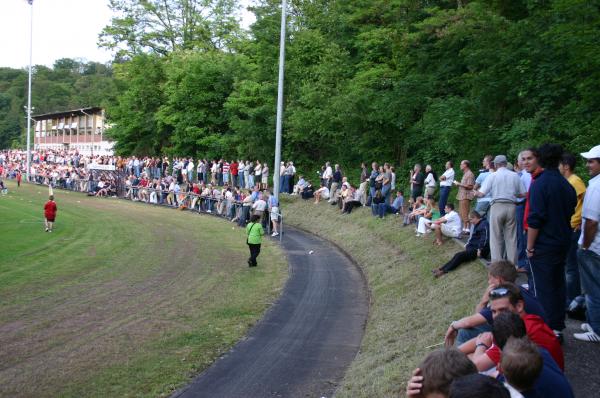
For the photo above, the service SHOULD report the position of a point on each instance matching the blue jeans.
(548, 272)
(521, 237)
(444, 193)
(465, 335)
(572, 269)
(378, 209)
(371, 195)
(385, 191)
(589, 263)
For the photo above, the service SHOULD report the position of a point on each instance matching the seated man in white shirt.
(450, 225)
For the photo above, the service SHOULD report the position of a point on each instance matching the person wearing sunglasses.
(507, 298)
(471, 326)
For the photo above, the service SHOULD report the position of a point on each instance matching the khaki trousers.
(503, 232)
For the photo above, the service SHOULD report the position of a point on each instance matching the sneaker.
(208, 211)
(586, 327)
(47, 229)
(587, 336)
(275, 234)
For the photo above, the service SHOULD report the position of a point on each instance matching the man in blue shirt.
(552, 202)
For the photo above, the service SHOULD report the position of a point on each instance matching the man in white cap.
(589, 253)
(504, 188)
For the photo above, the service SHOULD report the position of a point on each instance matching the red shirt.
(541, 335)
(233, 167)
(50, 209)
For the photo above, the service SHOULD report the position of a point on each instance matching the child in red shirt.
(50, 213)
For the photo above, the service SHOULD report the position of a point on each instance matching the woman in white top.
(265, 176)
(257, 173)
(430, 182)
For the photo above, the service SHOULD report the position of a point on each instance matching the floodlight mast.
(27, 164)
(276, 169)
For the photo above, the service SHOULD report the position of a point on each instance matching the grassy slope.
(410, 310)
(123, 299)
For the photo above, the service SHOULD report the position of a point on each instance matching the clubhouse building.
(81, 129)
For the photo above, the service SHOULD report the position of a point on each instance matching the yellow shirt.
(579, 186)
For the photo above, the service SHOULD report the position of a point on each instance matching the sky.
(61, 29)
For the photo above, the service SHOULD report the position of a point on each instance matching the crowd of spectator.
(534, 220)
(234, 190)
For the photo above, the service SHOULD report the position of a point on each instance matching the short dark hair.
(450, 206)
(568, 159)
(467, 162)
(549, 155)
(440, 367)
(507, 325)
(451, 163)
(521, 363)
(254, 218)
(476, 386)
(474, 213)
(503, 269)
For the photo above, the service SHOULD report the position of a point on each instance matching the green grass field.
(122, 299)
(410, 310)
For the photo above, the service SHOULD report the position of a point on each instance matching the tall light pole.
(276, 170)
(29, 92)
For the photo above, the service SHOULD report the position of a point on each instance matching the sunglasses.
(499, 292)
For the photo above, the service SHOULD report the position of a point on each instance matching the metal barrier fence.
(232, 210)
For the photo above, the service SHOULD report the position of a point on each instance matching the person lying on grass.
(464, 329)
(478, 245)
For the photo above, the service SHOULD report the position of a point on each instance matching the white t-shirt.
(591, 211)
(259, 205)
(449, 174)
(453, 220)
(430, 181)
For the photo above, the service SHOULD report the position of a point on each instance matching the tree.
(164, 26)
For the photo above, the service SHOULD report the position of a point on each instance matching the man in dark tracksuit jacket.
(552, 202)
(477, 246)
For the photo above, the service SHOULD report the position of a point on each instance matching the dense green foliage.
(69, 84)
(387, 80)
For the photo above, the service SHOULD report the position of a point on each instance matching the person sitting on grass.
(397, 206)
(499, 272)
(300, 186)
(433, 377)
(432, 214)
(352, 200)
(418, 208)
(507, 297)
(450, 225)
(527, 368)
(478, 245)
(321, 193)
(308, 192)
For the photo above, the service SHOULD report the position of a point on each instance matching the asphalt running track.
(305, 342)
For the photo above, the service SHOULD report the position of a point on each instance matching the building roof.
(74, 112)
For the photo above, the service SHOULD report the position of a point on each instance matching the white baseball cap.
(593, 153)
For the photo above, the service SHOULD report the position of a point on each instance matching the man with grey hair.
(504, 188)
